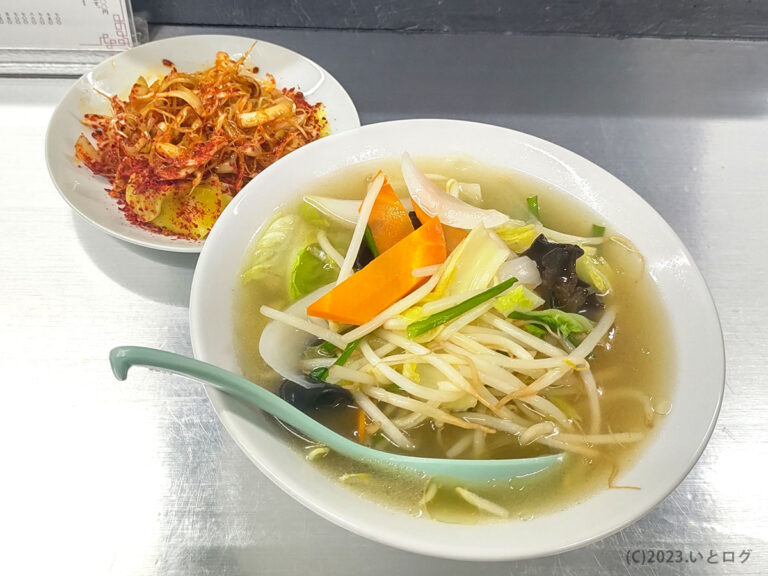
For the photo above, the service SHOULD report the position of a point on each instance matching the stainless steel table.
(101, 477)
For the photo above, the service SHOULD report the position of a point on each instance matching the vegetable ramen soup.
(458, 311)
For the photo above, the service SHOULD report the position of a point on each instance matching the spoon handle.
(123, 357)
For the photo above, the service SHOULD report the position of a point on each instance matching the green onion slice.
(371, 243)
(439, 318)
(533, 206)
(536, 330)
(322, 373)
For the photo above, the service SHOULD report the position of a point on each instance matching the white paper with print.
(66, 24)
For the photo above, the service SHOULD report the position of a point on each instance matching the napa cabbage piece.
(312, 269)
(473, 264)
(410, 371)
(191, 214)
(518, 238)
(431, 377)
(413, 313)
(519, 299)
(594, 270)
(322, 119)
(146, 206)
(87, 153)
(272, 250)
(313, 215)
(469, 192)
(567, 324)
(288, 249)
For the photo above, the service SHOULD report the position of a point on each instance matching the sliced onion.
(435, 202)
(467, 191)
(345, 212)
(188, 96)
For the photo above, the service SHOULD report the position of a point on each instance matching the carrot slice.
(389, 221)
(453, 236)
(360, 426)
(385, 280)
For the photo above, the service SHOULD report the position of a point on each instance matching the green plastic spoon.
(123, 357)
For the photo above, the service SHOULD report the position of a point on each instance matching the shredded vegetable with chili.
(178, 149)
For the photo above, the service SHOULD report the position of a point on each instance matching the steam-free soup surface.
(632, 367)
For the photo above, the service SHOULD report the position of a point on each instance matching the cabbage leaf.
(472, 265)
(519, 299)
(567, 324)
(518, 238)
(271, 250)
(594, 270)
(312, 269)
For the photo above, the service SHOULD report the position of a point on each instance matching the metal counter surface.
(139, 477)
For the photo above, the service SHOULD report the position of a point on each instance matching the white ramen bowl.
(698, 378)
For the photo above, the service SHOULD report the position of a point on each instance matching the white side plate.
(87, 193)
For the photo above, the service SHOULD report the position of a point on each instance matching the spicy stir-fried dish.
(178, 149)
(452, 330)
